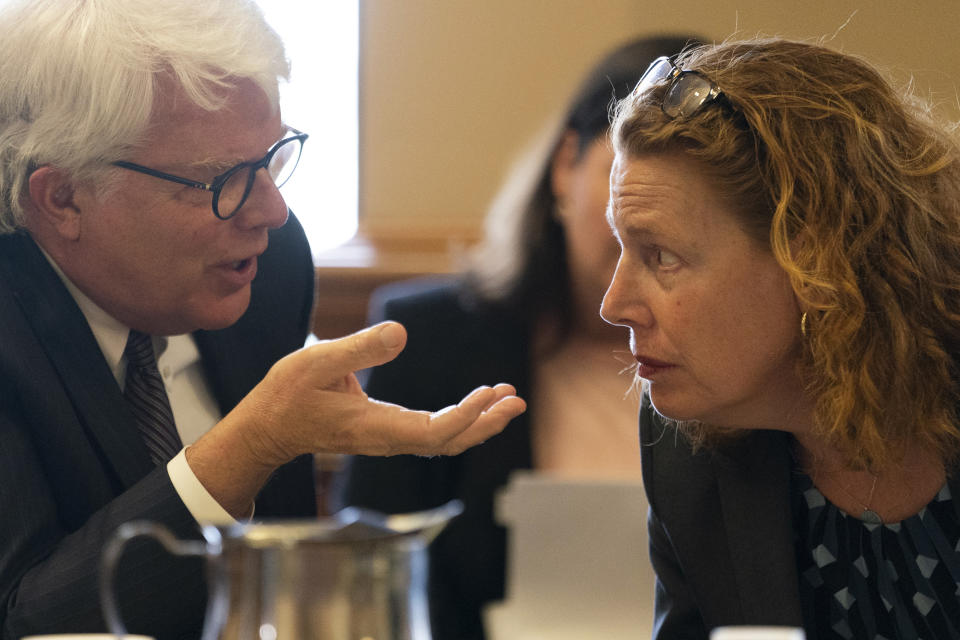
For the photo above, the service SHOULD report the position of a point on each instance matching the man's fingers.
(390, 429)
(481, 415)
(488, 425)
(366, 348)
(483, 398)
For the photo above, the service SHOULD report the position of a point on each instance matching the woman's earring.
(803, 324)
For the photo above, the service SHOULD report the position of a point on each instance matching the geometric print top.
(877, 581)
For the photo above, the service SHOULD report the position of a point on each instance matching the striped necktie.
(148, 401)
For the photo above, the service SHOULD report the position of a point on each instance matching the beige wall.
(451, 89)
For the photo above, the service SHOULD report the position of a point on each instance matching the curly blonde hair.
(855, 188)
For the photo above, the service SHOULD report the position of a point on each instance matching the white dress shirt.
(194, 409)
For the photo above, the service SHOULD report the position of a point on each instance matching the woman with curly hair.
(789, 225)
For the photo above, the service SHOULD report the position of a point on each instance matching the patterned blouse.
(877, 581)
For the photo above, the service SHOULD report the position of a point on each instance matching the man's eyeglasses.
(231, 188)
(689, 91)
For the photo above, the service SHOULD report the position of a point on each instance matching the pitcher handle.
(211, 549)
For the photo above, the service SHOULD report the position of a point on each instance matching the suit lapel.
(753, 479)
(69, 344)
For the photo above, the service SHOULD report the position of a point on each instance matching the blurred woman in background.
(528, 312)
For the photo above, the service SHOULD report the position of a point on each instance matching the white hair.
(78, 78)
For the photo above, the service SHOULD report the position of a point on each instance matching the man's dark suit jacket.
(721, 530)
(453, 347)
(73, 468)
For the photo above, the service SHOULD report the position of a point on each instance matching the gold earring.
(803, 324)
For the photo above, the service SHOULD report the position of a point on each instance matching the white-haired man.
(141, 147)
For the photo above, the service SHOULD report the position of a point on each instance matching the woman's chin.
(674, 408)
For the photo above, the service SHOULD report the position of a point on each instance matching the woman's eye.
(667, 259)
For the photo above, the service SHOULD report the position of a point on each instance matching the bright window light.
(322, 43)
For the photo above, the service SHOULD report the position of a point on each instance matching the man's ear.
(52, 202)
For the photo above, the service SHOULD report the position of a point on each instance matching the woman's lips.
(648, 367)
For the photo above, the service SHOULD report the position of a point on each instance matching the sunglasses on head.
(687, 93)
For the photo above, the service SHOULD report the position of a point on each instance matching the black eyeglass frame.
(676, 101)
(216, 185)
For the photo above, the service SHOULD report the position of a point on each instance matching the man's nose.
(264, 206)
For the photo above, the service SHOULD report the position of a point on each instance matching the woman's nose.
(610, 307)
(623, 303)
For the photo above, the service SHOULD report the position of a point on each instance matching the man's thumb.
(366, 348)
(392, 336)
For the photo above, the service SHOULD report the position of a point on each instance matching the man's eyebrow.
(218, 165)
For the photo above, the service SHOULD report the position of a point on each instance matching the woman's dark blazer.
(73, 467)
(720, 526)
(721, 530)
(453, 346)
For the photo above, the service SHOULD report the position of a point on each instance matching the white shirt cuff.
(200, 504)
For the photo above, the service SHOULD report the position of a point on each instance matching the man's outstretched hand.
(311, 401)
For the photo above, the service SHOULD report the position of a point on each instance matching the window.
(322, 43)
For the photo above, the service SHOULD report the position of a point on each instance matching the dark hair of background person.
(521, 265)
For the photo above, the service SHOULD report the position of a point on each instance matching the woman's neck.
(892, 493)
